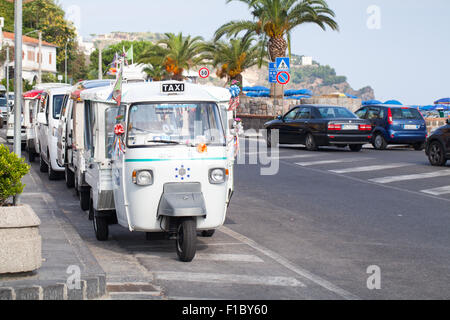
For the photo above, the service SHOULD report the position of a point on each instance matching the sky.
(399, 47)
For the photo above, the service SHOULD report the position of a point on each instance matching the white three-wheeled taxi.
(162, 161)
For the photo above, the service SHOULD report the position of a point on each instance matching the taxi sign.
(172, 87)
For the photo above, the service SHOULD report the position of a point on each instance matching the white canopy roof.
(151, 92)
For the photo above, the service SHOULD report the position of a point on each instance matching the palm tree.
(153, 58)
(180, 53)
(274, 21)
(234, 57)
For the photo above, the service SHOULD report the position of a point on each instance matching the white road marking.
(316, 163)
(298, 156)
(372, 168)
(289, 265)
(228, 278)
(408, 177)
(208, 257)
(438, 191)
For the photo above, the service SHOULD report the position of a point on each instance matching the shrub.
(12, 170)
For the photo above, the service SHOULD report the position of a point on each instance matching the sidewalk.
(62, 248)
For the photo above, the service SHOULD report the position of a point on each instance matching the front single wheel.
(436, 154)
(101, 228)
(31, 156)
(85, 198)
(69, 177)
(186, 243)
(356, 147)
(311, 143)
(43, 167)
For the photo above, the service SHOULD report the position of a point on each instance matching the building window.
(31, 56)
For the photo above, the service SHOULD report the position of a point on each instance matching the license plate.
(350, 127)
(411, 127)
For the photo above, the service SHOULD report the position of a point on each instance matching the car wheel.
(43, 167)
(101, 226)
(269, 140)
(186, 243)
(379, 142)
(31, 156)
(419, 146)
(69, 177)
(356, 147)
(52, 174)
(311, 143)
(436, 154)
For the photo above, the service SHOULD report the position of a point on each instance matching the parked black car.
(438, 146)
(317, 125)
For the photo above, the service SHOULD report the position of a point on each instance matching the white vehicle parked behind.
(48, 118)
(10, 129)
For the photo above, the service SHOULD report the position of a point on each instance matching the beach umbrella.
(371, 102)
(394, 102)
(443, 101)
(351, 96)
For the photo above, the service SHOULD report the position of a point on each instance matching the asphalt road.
(308, 232)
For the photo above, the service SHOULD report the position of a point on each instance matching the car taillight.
(334, 127)
(390, 118)
(365, 127)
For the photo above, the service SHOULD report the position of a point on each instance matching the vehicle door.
(43, 127)
(114, 116)
(376, 116)
(446, 137)
(69, 133)
(287, 128)
(302, 124)
(61, 135)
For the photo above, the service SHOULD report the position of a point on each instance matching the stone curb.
(91, 288)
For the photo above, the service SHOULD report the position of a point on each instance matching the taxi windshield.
(175, 123)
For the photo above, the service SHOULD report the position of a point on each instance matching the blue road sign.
(283, 64)
(273, 72)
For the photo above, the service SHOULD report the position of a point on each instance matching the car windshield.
(57, 105)
(3, 102)
(406, 114)
(336, 113)
(175, 123)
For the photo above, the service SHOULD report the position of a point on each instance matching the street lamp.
(65, 49)
(18, 78)
(39, 81)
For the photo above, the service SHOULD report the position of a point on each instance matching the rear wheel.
(419, 146)
(69, 177)
(186, 243)
(311, 143)
(43, 167)
(436, 154)
(31, 156)
(356, 147)
(52, 174)
(379, 142)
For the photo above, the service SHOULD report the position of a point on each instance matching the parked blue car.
(395, 125)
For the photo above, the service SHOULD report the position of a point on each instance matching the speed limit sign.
(204, 73)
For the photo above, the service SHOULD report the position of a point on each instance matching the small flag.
(117, 91)
(129, 55)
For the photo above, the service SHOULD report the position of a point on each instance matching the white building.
(30, 56)
(307, 61)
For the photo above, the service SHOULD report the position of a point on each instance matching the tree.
(275, 19)
(181, 53)
(234, 57)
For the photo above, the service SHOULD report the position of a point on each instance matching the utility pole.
(39, 80)
(100, 61)
(18, 78)
(66, 62)
(7, 71)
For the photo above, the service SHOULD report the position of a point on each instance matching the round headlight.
(144, 178)
(217, 176)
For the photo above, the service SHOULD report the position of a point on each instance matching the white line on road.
(228, 278)
(372, 168)
(409, 177)
(316, 163)
(289, 265)
(438, 191)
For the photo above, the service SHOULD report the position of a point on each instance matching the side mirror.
(280, 118)
(41, 118)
